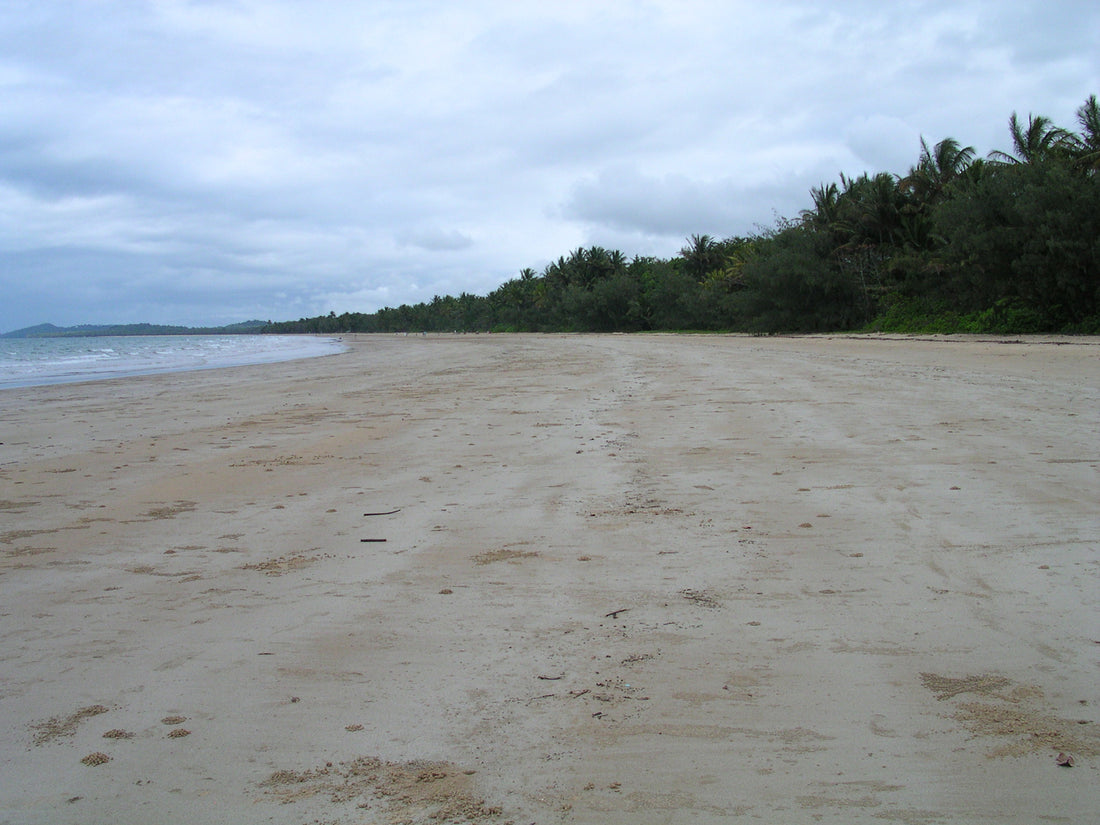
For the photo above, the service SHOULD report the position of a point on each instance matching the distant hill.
(95, 330)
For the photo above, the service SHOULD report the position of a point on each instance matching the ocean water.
(26, 362)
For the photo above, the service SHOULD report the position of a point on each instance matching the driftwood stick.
(615, 613)
(387, 513)
(373, 540)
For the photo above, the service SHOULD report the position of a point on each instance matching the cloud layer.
(194, 162)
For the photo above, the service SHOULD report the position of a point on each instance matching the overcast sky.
(211, 161)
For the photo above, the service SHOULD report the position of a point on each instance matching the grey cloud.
(176, 161)
(435, 240)
(625, 200)
(884, 144)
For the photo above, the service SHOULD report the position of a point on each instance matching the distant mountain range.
(95, 330)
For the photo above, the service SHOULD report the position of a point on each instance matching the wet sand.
(542, 579)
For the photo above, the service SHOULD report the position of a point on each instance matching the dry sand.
(627, 580)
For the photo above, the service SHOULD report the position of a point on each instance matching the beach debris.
(702, 598)
(504, 554)
(60, 726)
(551, 678)
(167, 511)
(615, 613)
(396, 791)
(1014, 714)
(97, 758)
(377, 541)
(385, 513)
(946, 687)
(287, 564)
(353, 728)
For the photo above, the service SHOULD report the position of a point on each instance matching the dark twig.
(614, 613)
(387, 513)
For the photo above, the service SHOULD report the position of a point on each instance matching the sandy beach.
(559, 579)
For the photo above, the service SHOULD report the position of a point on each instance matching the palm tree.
(703, 254)
(617, 261)
(937, 168)
(1086, 146)
(868, 209)
(882, 210)
(826, 201)
(974, 173)
(1040, 141)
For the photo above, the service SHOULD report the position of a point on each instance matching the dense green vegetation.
(1007, 243)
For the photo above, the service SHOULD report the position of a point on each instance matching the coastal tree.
(1006, 242)
(1040, 140)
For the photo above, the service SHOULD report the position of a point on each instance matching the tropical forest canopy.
(959, 243)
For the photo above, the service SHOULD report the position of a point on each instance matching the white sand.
(633, 580)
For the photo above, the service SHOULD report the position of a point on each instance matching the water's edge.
(47, 361)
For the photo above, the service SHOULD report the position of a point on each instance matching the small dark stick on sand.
(371, 539)
(387, 513)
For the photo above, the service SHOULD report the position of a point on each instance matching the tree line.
(1008, 243)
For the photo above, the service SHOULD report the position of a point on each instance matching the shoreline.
(109, 372)
(558, 578)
